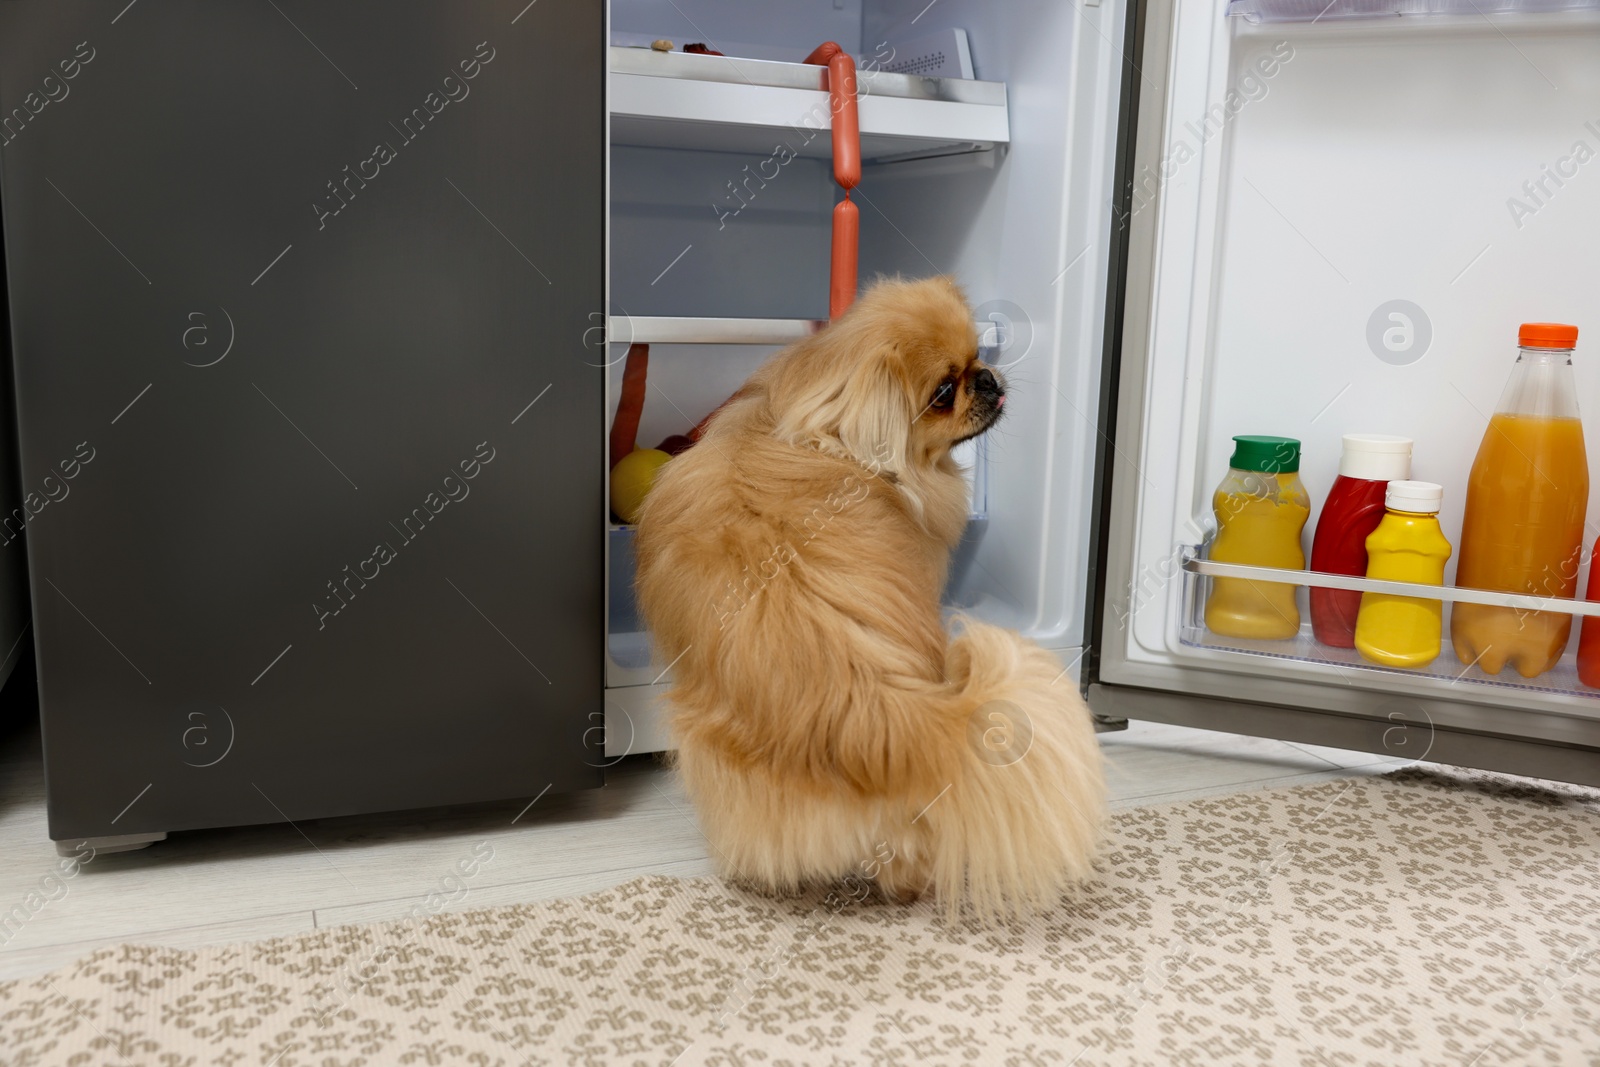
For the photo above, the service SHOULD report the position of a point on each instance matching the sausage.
(625, 427)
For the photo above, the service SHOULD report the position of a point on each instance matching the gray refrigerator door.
(310, 438)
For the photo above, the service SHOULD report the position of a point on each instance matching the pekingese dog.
(790, 567)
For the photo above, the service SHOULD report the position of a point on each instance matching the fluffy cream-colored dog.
(790, 566)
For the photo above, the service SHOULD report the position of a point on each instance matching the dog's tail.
(1023, 818)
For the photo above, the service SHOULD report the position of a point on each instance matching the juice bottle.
(1261, 509)
(1407, 546)
(1525, 507)
(1353, 510)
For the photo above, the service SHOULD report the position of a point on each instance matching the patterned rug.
(1427, 917)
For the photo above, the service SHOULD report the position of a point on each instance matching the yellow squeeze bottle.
(1407, 546)
(1261, 509)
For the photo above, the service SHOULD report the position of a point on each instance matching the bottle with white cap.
(1367, 464)
(1407, 546)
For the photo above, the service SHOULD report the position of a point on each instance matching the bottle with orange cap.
(1526, 498)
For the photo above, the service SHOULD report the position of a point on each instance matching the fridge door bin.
(1198, 573)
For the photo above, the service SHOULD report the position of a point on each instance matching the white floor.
(213, 887)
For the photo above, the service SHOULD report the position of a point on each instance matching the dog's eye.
(945, 395)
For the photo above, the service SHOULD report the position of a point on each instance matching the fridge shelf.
(699, 330)
(1324, 11)
(688, 330)
(1197, 574)
(781, 110)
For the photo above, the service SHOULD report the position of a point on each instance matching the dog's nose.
(985, 384)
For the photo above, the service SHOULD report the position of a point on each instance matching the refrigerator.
(1185, 220)
(297, 303)
(1176, 220)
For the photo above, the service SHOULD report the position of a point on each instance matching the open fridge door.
(1335, 219)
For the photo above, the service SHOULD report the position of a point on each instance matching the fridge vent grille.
(925, 64)
(939, 55)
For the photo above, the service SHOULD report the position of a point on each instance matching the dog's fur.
(790, 566)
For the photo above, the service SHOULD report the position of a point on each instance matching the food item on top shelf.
(631, 480)
(1407, 546)
(1261, 509)
(1354, 508)
(1525, 507)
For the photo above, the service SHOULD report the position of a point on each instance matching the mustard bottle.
(1407, 546)
(1261, 510)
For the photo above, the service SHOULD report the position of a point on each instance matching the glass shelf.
(706, 330)
(702, 330)
(731, 104)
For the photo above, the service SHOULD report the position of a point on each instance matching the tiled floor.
(218, 886)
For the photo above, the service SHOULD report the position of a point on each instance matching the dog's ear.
(875, 426)
(853, 406)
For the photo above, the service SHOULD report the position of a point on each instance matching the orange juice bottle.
(1526, 498)
(1261, 509)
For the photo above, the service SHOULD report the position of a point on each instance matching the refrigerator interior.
(1023, 222)
(1348, 219)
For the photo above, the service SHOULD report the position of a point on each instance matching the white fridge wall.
(1027, 233)
(1378, 162)
(1379, 170)
(686, 383)
(684, 243)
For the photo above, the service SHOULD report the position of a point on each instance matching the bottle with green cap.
(1261, 510)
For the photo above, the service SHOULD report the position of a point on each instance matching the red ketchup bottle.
(1353, 510)
(1589, 636)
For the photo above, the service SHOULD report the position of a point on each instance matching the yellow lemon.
(631, 480)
